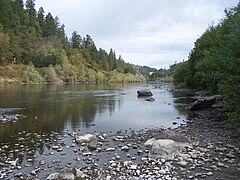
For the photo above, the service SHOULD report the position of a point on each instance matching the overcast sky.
(155, 33)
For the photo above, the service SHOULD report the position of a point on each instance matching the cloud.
(154, 33)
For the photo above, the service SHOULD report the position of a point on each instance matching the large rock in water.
(144, 93)
(202, 103)
(167, 144)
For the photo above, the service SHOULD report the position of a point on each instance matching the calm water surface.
(45, 108)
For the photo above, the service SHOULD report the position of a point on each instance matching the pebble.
(209, 173)
(162, 171)
(183, 163)
(87, 154)
(110, 149)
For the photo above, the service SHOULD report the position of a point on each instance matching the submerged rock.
(150, 99)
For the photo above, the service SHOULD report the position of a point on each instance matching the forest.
(35, 49)
(214, 62)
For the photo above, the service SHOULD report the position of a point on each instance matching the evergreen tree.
(50, 28)
(40, 17)
(76, 40)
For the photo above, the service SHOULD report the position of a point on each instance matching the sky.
(155, 33)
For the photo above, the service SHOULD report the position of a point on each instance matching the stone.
(127, 163)
(183, 163)
(151, 99)
(133, 167)
(149, 142)
(167, 144)
(144, 93)
(56, 176)
(162, 171)
(125, 148)
(202, 103)
(209, 173)
(55, 147)
(84, 138)
(168, 134)
(110, 149)
(87, 154)
(92, 147)
(229, 155)
(79, 174)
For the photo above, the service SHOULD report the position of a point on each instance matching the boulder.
(144, 93)
(167, 145)
(65, 176)
(75, 174)
(202, 103)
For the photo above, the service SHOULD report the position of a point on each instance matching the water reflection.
(48, 107)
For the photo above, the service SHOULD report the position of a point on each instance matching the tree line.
(34, 46)
(214, 62)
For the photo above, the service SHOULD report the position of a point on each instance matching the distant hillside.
(34, 48)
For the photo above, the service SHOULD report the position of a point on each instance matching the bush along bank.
(213, 63)
(28, 74)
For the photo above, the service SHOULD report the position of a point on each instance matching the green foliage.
(181, 75)
(214, 62)
(50, 74)
(31, 75)
(31, 39)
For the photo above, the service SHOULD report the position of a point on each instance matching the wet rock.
(144, 93)
(202, 103)
(151, 99)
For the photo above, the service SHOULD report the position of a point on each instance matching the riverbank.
(28, 74)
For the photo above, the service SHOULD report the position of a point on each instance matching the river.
(33, 116)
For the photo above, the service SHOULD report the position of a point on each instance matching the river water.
(33, 115)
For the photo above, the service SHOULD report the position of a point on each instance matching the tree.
(76, 40)
(6, 14)
(50, 28)
(5, 54)
(40, 17)
(31, 15)
(112, 59)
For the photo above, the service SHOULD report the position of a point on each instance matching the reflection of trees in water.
(84, 112)
(48, 108)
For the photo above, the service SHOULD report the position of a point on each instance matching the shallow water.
(33, 117)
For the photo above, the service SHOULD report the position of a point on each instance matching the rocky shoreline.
(214, 154)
